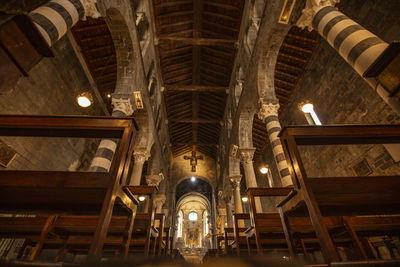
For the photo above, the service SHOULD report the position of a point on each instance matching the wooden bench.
(159, 246)
(240, 240)
(74, 193)
(337, 196)
(167, 239)
(228, 239)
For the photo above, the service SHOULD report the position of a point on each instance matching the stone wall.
(51, 89)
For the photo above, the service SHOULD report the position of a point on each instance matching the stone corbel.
(154, 179)
(311, 8)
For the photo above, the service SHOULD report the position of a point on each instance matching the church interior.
(176, 132)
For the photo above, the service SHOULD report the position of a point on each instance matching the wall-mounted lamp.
(310, 114)
(142, 198)
(264, 169)
(84, 99)
(245, 199)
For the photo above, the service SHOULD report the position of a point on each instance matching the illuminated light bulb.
(264, 170)
(84, 100)
(245, 199)
(193, 179)
(142, 198)
(307, 108)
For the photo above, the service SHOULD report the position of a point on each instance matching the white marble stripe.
(101, 162)
(278, 150)
(282, 165)
(338, 28)
(70, 9)
(107, 143)
(326, 19)
(43, 33)
(55, 18)
(365, 60)
(352, 40)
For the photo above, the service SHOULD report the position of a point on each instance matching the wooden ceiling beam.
(197, 144)
(173, 3)
(90, 27)
(292, 57)
(199, 41)
(302, 38)
(194, 120)
(221, 5)
(298, 48)
(175, 14)
(197, 88)
(280, 63)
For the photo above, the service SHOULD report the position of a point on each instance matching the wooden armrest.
(286, 199)
(140, 189)
(241, 216)
(269, 191)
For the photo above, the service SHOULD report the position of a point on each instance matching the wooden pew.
(75, 193)
(167, 239)
(228, 239)
(159, 246)
(220, 240)
(240, 239)
(337, 196)
(144, 233)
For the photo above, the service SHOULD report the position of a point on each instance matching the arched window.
(205, 221)
(193, 216)
(180, 223)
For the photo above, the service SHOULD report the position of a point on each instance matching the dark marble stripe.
(357, 50)
(118, 113)
(47, 25)
(62, 11)
(271, 118)
(105, 153)
(274, 130)
(275, 143)
(98, 169)
(284, 172)
(280, 157)
(344, 34)
(320, 15)
(78, 5)
(332, 23)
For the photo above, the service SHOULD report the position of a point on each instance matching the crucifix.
(193, 160)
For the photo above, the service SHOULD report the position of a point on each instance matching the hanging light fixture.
(142, 198)
(264, 169)
(244, 199)
(84, 99)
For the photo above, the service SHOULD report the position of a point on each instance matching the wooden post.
(354, 237)
(46, 229)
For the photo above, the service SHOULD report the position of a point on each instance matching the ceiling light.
(245, 199)
(263, 170)
(108, 95)
(84, 99)
(193, 179)
(142, 198)
(307, 108)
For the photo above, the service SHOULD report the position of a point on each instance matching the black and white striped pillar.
(269, 114)
(56, 17)
(105, 152)
(358, 46)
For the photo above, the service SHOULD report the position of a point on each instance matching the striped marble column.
(269, 114)
(56, 17)
(359, 47)
(105, 152)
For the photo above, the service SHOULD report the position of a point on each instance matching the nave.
(199, 132)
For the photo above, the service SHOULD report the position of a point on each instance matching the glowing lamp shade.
(307, 108)
(245, 199)
(84, 100)
(142, 198)
(193, 179)
(263, 170)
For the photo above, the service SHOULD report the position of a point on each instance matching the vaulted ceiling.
(197, 49)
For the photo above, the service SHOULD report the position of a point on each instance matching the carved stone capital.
(308, 13)
(159, 200)
(141, 155)
(122, 104)
(246, 155)
(154, 179)
(222, 211)
(267, 109)
(90, 9)
(235, 181)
